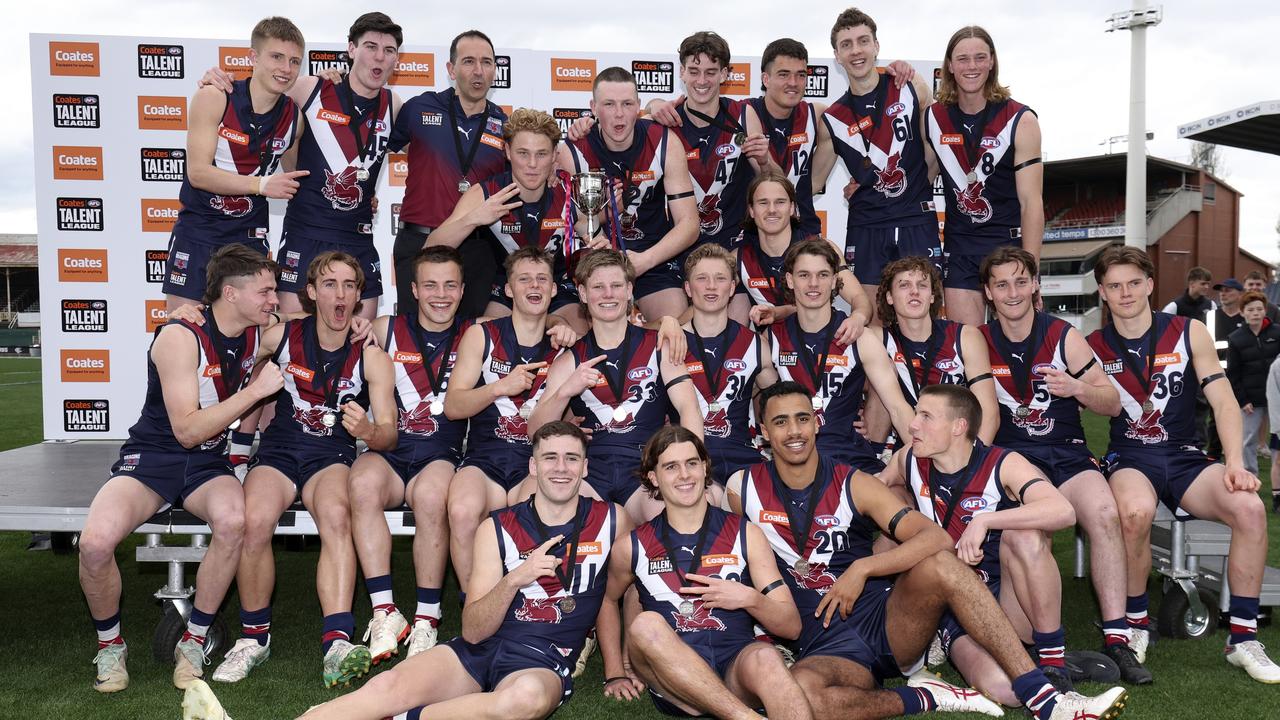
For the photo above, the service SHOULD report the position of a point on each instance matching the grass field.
(47, 640)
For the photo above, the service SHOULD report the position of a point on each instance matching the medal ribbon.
(258, 134)
(230, 370)
(800, 524)
(511, 344)
(464, 162)
(932, 347)
(1022, 381)
(697, 549)
(957, 491)
(877, 114)
(325, 380)
(614, 386)
(1117, 344)
(434, 379)
(571, 549)
(364, 146)
(713, 380)
(817, 369)
(973, 140)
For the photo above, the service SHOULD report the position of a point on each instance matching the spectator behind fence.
(1250, 353)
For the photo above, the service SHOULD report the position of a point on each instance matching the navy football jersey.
(791, 144)
(719, 170)
(316, 383)
(501, 427)
(723, 370)
(640, 169)
(634, 367)
(419, 355)
(1018, 369)
(936, 361)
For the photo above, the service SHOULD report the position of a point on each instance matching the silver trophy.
(591, 195)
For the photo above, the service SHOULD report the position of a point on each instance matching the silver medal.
(713, 407)
(526, 410)
(816, 402)
(1148, 406)
(464, 185)
(1022, 411)
(971, 178)
(619, 414)
(739, 139)
(330, 419)
(362, 174)
(802, 566)
(686, 607)
(567, 604)
(436, 407)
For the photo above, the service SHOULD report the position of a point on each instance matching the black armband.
(1083, 370)
(1022, 491)
(893, 523)
(771, 587)
(676, 381)
(276, 315)
(1216, 376)
(980, 378)
(680, 196)
(1026, 163)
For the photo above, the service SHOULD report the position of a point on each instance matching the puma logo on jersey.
(465, 133)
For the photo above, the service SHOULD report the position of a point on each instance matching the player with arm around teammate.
(705, 577)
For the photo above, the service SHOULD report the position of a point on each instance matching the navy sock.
(1135, 611)
(380, 592)
(915, 700)
(1116, 632)
(198, 625)
(428, 605)
(413, 714)
(1050, 647)
(338, 626)
(462, 599)
(1034, 690)
(256, 624)
(108, 630)
(1244, 619)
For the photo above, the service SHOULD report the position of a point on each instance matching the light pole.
(1136, 21)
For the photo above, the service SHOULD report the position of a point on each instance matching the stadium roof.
(1073, 248)
(1252, 127)
(18, 251)
(1089, 169)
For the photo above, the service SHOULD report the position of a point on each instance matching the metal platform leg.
(175, 590)
(1079, 571)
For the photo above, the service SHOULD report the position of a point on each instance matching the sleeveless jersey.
(1052, 420)
(244, 147)
(720, 173)
(876, 136)
(759, 272)
(942, 348)
(303, 401)
(414, 394)
(153, 428)
(971, 494)
(541, 224)
(425, 124)
(535, 615)
(1172, 389)
(499, 426)
(795, 357)
(737, 352)
(640, 170)
(333, 196)
(791, 145)
(984, 213)
(837, 535)
(643, 398)
(660, 569)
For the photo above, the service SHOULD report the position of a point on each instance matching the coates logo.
(573, 73)
(75, 111)
(82, 265)
(74, 58)
(416, 69)
(76, 162)
(161, 61)
(160, 112)
(159, 215)
(84, 316)
(973, 504)
(895, 109)
(76, 214)
(502, 72)
(653, 76)
(951, 138)
(774, 518)
(539, 610)
(826, 521)
(990, 143)
(719, 560)
(815, 85)
(564, 117)
(163, 164)
(320, 60)
(395, 221)
(86, 415)
(739, 80)
(156, 315)
(399, 173)
(85, 365)
(236, 62)
(735, 365)
(154, 265)
(640, 374)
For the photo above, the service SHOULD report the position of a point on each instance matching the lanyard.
(571, 549)
(464, 162)
(230, 369)
(364, 146)
(957, 491)
(259, 133)
(799, 524)
(325, 380)
(817, 369)
(512, 345)
(697, 549)
(876, 115)
(615, 385)
(434, 380)
(533, 235)
(1117, 344)
(932, 346)
(972, 140)
(713, 380)
(1022, 379)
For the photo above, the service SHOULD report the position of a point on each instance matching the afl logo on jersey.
(640, 374)
(1040, 368)
(973, 504)
(990, 143)
(725, 150)
(947, 365)
(826, 521)
(895, 109)
(735, 365)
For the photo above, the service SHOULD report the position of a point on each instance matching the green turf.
(47, 640)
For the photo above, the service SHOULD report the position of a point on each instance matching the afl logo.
(947, 365)
(725, 150)
(990, 143)
(640, 374)
(826, 521)
(1039, 369)
(973, 504)
(895, 109)
(735, 365)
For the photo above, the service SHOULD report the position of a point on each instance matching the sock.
(413, 714)
(1135, 612)
(1116, 632)
(1050, 647)
(198, 625)
(915, 700)
(256, 625)
(428, 606)
(241, 448)
(338, 626)
(1034, 691)
(109, 631)
(380, 593)
(1244, 619)
(462, 599)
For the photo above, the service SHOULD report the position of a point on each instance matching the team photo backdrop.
(110, 120)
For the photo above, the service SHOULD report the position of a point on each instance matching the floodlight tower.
(1136, 21)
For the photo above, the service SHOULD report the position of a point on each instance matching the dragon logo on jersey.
(342, 190)
(232, 205)
(892, 180)
(699, 620)
(311, 420)
(512, 428)
(711, 221)
(625, 425)
(1148, 429)
(539, 610)
(630, 233)
(972, 203)
(1035, 424)
(816, 579)
(418, 421)
(716, 424)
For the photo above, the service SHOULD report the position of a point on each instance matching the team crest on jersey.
(1035, 423)
(717, 424)
(699, 620)
(418, 421)
(971, 202)
(539, 610)
(710, 219)
(816, 578)
(512, 428)
(342, 190)
(625, 425)
(232, 205)
(1148, 429)
(311, 420)
(892, 180)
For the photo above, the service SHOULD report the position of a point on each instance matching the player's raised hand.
(282, 186)
(193, 314)
(581, 127)
(267, 380)
(562, 336)
(756, 148)
(672, 340)
(664, 112)
(332, 74)
(719, 593)
(762, 315)
(539, 564)
(901, 71)
(218, 78)
(585, 376)
(1059, 383)
(495, 206)
(356, 420)
(519, 380)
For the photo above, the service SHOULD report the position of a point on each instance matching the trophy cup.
(591, 195)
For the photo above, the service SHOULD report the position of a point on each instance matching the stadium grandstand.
(20, 304)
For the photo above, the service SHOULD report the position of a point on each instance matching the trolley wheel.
(1178, 620)
(169, 631)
